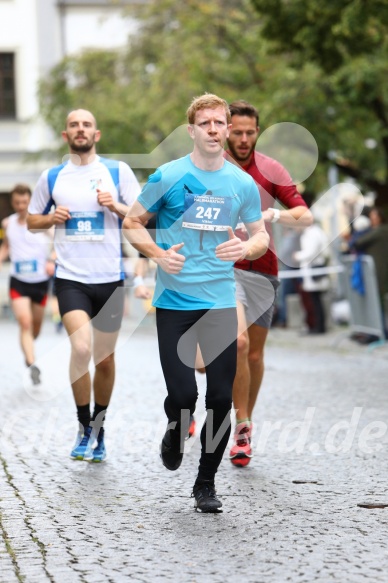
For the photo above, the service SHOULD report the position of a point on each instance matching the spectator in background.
(314, 254)
(360, 226)
(290, 243)
(374, 242)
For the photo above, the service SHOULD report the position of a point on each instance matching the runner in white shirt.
(29, 274)
(91, 196)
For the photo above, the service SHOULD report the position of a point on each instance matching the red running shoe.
(191, 431)
(241, 452)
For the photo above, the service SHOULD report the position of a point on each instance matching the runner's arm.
(134, 229)
(140, 289)
(234, 249)
(258, 241)
(37, 222)
(106, 199)
(299, 216)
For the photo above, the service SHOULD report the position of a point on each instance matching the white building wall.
(18, 34)
(95, 27)
(41, 33)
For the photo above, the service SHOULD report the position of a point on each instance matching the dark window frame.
(7, 85)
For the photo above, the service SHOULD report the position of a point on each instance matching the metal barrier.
(5, 309)
(365, 309)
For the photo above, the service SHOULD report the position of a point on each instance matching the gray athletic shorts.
(257, 292)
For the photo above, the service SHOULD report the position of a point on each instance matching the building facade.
(34, 36)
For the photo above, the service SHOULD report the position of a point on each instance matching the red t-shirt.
(274, 183)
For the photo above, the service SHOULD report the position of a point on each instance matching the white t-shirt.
(314, 252)
(28, 252)
(88, 246)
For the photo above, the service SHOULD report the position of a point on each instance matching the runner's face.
(81, 133)
(210, 130)
(243, 137)
(20, 203)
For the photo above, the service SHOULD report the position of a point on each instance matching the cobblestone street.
(300, 512)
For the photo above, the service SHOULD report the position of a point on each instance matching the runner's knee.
(242, 345)
(25, 323)
(105, 365)
(256, 357)
(81, 353)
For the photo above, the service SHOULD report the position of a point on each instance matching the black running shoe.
(205, 498)
(170, 449)
(35, 374)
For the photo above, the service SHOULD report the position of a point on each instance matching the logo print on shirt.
(95, 183)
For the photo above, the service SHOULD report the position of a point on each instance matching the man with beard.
(90, 196)
(256, 281)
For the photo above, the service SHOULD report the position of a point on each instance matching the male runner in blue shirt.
(198, 201)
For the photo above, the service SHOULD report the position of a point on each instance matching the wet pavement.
(311, 506)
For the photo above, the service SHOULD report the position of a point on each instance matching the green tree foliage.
(95, 80)
(346, 41)
(140, 95)
(320, 65)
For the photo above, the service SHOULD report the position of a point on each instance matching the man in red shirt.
(257, 281)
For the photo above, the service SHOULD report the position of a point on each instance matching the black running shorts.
(37, 292)
(103, 302)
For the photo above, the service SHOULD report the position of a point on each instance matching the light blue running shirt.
(195, 207)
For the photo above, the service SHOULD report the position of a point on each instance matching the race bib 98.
(85, 226)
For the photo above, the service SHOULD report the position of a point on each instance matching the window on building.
(5, 209)
(7, 85)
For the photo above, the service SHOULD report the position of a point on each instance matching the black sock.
(83, 413)
(99, 418)
(99, 409)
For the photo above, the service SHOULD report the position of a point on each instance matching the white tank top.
(28, 251)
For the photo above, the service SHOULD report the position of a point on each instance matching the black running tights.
(215, 331)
